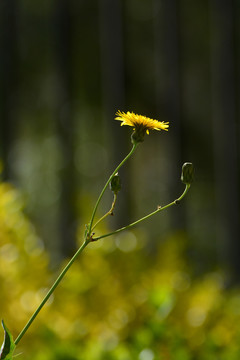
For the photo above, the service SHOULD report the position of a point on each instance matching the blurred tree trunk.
(65, 124)
(168, 90)
(113, 90)
(8, 80)
(223, 51)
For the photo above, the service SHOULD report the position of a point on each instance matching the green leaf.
(8, 346)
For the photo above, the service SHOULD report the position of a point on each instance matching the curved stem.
(175, 202)
(51, 290)
(87, 239)
(105, 187)
(110, 212)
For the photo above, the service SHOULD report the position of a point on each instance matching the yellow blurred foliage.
(118, 301)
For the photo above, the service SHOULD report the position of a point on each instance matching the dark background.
(67, 66)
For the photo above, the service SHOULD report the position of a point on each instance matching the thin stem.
(175, 202)
(87, 239)
(110, 212)
(105, 187)
(51, 290)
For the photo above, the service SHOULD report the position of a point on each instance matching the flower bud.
(187, 173)
(115, 184)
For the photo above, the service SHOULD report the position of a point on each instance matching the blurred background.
(66, 67)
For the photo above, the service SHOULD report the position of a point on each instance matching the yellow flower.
(141, 124)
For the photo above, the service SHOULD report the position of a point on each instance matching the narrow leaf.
(8, 346)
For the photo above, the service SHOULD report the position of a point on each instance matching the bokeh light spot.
(126, 241)
(146, 354)
(196, 316)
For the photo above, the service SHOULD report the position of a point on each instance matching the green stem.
(110, 212)
(105, 187)
(85, 243)
(145, 217)
(51, 290)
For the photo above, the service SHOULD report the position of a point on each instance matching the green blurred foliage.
(119, 301)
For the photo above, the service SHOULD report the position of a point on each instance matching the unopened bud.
(187, 173)
(115, 184)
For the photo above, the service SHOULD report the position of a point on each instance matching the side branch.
(175, 202)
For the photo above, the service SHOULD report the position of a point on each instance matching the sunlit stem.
(106, 185)
(87, 239)
(110, 212)
(175, 202)
(51, 290)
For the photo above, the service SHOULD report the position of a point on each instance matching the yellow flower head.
(141, 124)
